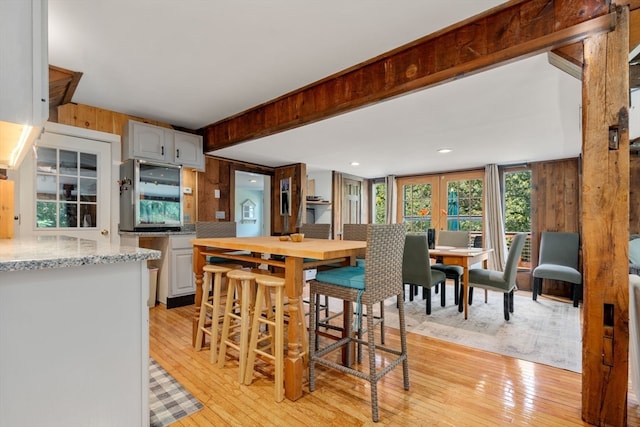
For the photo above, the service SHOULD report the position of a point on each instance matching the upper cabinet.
(24, 77)
(187, 149)
(145, 141)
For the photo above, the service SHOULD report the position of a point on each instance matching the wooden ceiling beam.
(508, 32)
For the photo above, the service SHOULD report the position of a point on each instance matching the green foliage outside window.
(417, 207)
(380, 196)
(517, 197)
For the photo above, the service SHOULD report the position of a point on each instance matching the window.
(417, 206)
(517, 208)
(379, 208)
(464, 205)
(66, 188)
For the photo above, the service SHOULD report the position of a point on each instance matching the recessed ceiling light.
(253, 180)
(444, 150)
(355, 164)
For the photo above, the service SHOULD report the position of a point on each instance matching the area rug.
(168, 400)
(543, 331)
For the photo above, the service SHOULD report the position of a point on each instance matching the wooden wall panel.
(555, 203)
(94, 118)
(215, 177)
(288, 224)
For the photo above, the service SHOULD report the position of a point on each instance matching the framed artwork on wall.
(285, 196)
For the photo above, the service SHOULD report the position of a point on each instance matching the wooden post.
(605, 221)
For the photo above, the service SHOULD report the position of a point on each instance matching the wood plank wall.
(555, 203)
(288, 224)
(201, 205)
(94, 118)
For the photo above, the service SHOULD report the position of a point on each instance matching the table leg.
(198, 265)
(293, 364)
(348, 351)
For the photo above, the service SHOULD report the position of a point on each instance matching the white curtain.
(392, 199)
(493, 219)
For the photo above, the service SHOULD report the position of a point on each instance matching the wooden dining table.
(298, 256)
(464, 257)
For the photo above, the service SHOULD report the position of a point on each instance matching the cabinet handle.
(162, 151)
(178, 153)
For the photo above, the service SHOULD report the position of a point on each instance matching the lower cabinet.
(176, 282)
(182, 282)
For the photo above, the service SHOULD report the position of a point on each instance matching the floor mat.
(168, 400)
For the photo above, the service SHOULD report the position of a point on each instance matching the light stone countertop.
(35, 253)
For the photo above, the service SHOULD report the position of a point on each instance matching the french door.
(444, 202)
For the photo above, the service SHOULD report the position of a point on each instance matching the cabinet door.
(150, 142)
(24, 62)
(188, 149)
(182, 281)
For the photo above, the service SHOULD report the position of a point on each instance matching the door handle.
(104, 232)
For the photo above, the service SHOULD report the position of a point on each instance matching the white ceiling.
(191, 63)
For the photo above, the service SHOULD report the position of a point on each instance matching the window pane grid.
(417, 206)
(66, 189)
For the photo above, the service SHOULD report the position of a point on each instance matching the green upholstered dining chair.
(417, 270)
(558, 260)
(457, 239)
(380, 279)
(499, 281)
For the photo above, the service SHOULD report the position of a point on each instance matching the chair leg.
(382, 322)
(313, 340)
(456, 289)
(461, 298)
(372, 364)
(511, 301)
(506, 305)
(470, 296)
(537, 288)
(576, 294)
(443, 298)
(427, 292)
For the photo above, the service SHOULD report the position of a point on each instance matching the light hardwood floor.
(451, 385)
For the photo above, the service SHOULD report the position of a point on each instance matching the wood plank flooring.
(451, 385)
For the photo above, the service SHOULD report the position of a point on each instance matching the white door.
(65, 187)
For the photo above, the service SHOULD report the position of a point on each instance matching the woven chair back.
(384, 253)
(354, 232)
(316, 231)
(206, 229)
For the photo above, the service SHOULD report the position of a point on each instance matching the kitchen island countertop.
(35, 253)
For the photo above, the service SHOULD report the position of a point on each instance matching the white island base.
(74, 347)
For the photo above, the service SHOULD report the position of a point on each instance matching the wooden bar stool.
(237, 317)
(211, 303)
(269, 344)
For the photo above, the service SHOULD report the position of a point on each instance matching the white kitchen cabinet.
(24, 77)
(149, 142)
(182, 281)
(188, 150)
(145, 141)
(24, 64)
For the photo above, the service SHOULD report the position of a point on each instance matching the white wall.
(249, 228)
